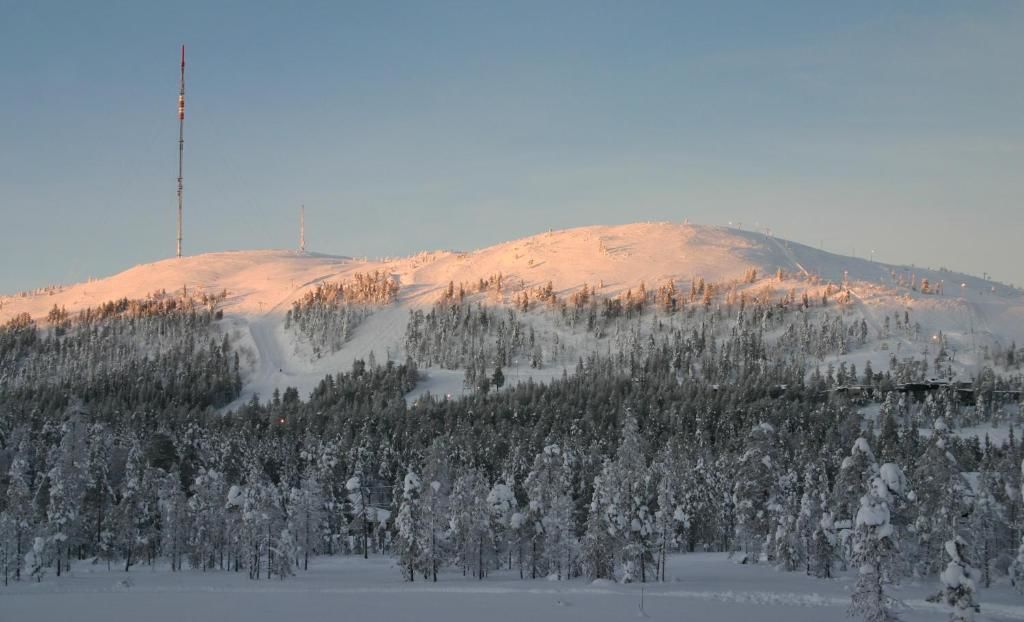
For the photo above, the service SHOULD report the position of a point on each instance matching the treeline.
(460, 331)
(600, 474)
(163, 350)
(327, 315)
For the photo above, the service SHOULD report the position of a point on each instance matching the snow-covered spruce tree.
(174, 527)
(435, 503)
(66, 488)
(1017, 567)
(99, 496)
(888, 438)
(548, 491)
(959, 583)
(622, 502)
(874, 547)
(35, 559)
(813, 506)
(19, 508)
(671, 518)
(262, 526)
(825, 543)
(137, 511)
(598, 546)
(789, 551)
(306, 516)
(469, 516)
(755, 490)
(358, 493)
(408, 524)
(941, 492)
(323, 457)
(855, 472)
(987, 516)
(503, 505)
(207, 521)
(7, 559)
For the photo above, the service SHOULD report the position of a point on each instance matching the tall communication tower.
(302, 229)
(181, 140)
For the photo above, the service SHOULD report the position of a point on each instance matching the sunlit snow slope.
(261, 285)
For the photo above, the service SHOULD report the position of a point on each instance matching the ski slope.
(261, 285)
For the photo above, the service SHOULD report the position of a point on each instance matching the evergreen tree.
(207, 537)
(941, 490)
(874, 547)
(435, 503)
(549, 492)
(306, 516)
(622, 505)
(855, 472)
(19, 510)
(1017, 568)
(756, 489)
(959, 583)
(409, 525)
(174, 527)
(469, 518)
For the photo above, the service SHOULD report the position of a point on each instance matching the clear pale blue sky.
(407, 126)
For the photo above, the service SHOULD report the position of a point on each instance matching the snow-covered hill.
(971, 313)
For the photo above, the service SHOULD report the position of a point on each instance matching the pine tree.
(825, 543)
(1017, 568)
(941, 490)
(811, 521)
(874, 546)
(755, 489)
(136, 512)
(855, 472)
(435, 503)
(306, 515)
(358, 491)
(409, 525)
(98, 491)
(548, 490)
(599, 544)
(889, 438)
(207, 537)
(469, 517)
(671, 518)
(790, 552)
(987, 514)
(19, 504)
(959, 583)
(503, 505)
(174, 528)
(622, 505)
(66, 488)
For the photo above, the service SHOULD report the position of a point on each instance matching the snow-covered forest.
(702, 429)
(858, 441)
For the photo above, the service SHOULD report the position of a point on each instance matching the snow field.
(705, 587)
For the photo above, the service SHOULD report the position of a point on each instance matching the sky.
(406, 126)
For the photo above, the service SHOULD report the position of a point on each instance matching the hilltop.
(260, 286)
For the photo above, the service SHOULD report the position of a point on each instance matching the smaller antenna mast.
(302, 229)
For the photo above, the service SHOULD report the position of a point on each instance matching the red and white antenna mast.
(181, 140)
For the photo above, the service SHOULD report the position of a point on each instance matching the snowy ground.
(702, 587)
